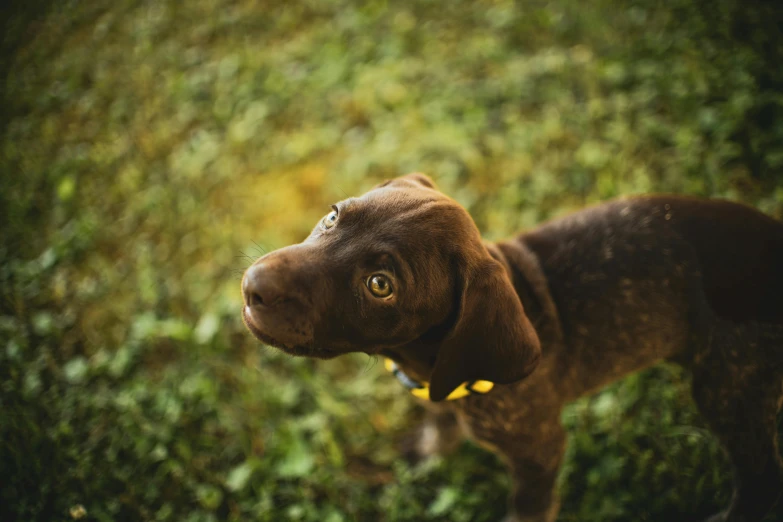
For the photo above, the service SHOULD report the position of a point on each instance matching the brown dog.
(547, 317)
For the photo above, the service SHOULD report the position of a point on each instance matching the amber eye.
(379, 285)
(330, 219)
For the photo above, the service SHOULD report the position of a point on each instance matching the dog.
(505, 334)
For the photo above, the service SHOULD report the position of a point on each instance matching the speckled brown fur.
(605, 291)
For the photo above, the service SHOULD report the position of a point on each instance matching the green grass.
(152, 149)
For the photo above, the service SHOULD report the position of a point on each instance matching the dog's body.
(555, 314)
(619, 287)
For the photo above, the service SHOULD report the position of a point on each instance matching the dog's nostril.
(255, 299)
(262, 287)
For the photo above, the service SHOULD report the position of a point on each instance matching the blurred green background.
(152, 149)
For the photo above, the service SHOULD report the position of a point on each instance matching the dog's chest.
(513, 414)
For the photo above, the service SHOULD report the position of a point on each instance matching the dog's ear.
(492, 338)
(412, 179)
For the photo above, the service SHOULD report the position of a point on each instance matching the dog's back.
(736, 250)
(641, 279)
(698, 281)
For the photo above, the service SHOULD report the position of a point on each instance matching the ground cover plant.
(152, 149)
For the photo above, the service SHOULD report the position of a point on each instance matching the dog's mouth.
(302, 350)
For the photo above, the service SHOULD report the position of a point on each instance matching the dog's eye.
(330, 219)
(379, 285)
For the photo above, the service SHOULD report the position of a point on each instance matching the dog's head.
(400, 270)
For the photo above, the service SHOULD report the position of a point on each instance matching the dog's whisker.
(262, 249)
(251, 259)
(372, 360)
(344, 192)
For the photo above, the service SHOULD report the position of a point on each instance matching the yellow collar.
(422, 389)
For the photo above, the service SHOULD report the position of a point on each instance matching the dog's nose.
(260, 287)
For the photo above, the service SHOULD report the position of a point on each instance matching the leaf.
(206, 328)
(209, 496)
(43, 322)
(75, 370)
(121, 362)
(66, 189)
(298, 460)
(445, 500)
(238, 477)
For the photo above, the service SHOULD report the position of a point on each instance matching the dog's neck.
(417, 359)
(530, 284)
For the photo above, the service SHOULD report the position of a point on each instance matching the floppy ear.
(414, 178)
(492, 339)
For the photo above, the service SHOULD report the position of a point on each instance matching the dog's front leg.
(534, 467)
(532, 444)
